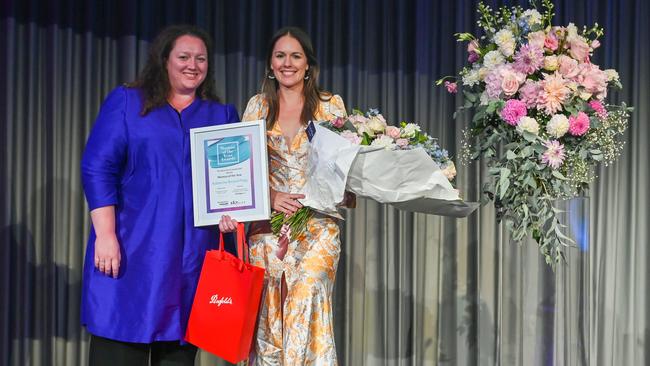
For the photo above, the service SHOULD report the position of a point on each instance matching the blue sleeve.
(231, 114)
(104, 157)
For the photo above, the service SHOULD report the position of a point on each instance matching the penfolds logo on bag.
(215, 299)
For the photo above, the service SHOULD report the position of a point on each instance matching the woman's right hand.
(107, 247)
(286, 202)
(227, 224)
(107, 255)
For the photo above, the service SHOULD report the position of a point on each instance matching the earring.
(270, 76)
(306, 77)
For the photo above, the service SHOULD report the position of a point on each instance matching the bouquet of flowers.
(363, 154)
(371, 129)
(540, 119)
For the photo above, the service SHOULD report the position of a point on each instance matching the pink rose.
(338, 122)
(351, 136)
(402, 142)
(536, 39)
(593, 79)
(451, 87)
(568, 66)
(509, 83)
(550, 42)
(357, 119)
(393, 132)
(578, 125)
(579, 49)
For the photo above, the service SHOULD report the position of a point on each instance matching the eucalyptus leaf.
(558, 175)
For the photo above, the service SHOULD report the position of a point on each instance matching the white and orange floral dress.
(303, 333)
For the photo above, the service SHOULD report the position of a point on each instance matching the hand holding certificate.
(230, 172)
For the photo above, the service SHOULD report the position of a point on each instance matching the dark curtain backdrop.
(412, 289)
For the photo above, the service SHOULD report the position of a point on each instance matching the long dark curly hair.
(312, 93)
(153, 79)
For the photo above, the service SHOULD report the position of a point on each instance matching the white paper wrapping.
(408, 179)
(390, 176)
(330, 159)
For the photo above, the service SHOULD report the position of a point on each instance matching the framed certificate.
(230, 172)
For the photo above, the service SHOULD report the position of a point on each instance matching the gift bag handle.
(242, 246)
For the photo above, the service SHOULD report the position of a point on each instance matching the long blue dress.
(141, 164)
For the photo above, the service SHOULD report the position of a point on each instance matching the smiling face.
(289, 63)
(187, 65)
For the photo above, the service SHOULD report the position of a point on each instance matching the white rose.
(612, 75)
(528, 124)
(482, 72)
(410, 130)
(505, 40)
(449, 171)
(384, 141)
(532, 17)
(363, 127)
(585, 95)
(377, 124)
(493, 59)
(572, 32)
(471, 78)
(557, 126)
(551, 63)
(508, 48)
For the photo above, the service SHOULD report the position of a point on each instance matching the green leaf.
(530, 137)
(511, 155)
(491, 108)
(504, 182)
(539, 148)
(526, 152)
(594, 122)
(582, 154)
(470, 96)
(558, 175)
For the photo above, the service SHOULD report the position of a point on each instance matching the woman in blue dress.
(144, 254)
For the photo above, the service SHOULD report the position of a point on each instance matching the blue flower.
(372, 112)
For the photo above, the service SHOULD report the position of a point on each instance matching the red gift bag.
(226, 302)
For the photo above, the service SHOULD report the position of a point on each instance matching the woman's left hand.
(227, 224)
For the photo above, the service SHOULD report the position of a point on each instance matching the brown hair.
(153, 79)
(311, 91)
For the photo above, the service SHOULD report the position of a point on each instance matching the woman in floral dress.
(295, 320)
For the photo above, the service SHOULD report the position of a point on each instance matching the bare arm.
(107, 247)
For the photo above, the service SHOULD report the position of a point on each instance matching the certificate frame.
(230, 172)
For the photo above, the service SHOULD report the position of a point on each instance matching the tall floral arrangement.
(540, 119)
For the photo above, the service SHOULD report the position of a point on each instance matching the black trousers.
(108, 352)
